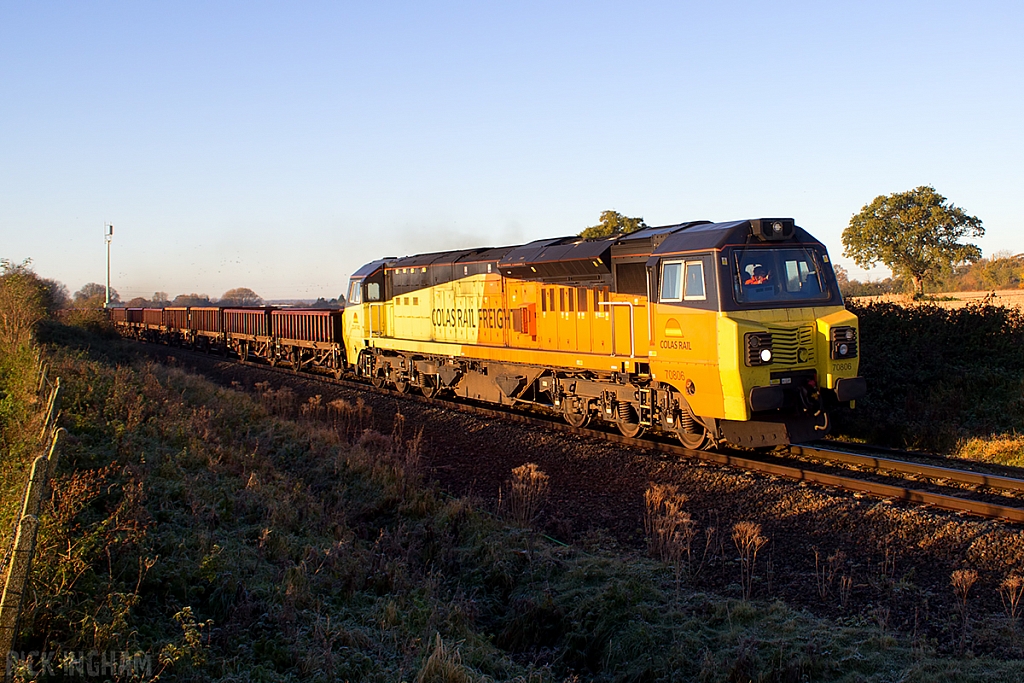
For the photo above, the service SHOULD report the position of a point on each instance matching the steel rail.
(733, 459)
(962, 476)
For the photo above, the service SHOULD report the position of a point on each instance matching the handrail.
(632, 339)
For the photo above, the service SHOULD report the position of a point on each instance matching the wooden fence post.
(36, 486)
(53, 459)
(14, 585)
(43, 379)
(52, 409)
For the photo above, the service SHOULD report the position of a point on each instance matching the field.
(999, 297)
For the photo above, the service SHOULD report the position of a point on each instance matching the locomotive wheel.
(627, 422)
(429, 390)
(694, 442)
(573, 414)
(691, 433)
(401, 386)
(630, 430)
(378, 381)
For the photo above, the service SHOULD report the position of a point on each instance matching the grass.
(19, 433)
(236, 536)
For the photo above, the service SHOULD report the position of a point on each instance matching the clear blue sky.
(279, 146)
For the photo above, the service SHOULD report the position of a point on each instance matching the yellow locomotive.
(712, 332)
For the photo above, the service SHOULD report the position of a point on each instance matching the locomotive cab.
(750, 330)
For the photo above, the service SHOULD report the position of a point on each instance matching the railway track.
(899, 479)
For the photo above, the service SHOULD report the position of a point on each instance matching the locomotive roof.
(717, 235)
(665, 239)
(561, 249)
(440, 258)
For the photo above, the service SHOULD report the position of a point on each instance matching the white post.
(108, 236)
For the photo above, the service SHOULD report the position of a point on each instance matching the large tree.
(22, 303)
(240, 296)
(192, 299)
(613, 223)
(94, 295)
(917, 234)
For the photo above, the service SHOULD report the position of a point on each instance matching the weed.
(670, 529)
(748, 540)
(826, 570)
(845, 589)
(527, 490)
(444, 665)
(962, 580)
(1010, 591)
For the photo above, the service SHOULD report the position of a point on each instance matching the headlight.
(844, 342)
(758, 346)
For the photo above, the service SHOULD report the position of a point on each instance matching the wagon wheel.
(429, 389)
(338, 372)
(243, 351)
(272, 359)
(296, 360)
(575, 414)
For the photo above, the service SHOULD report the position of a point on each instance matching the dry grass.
(749, 540)
(527, 491)
(826, 570)
(1010, 592)
(444, 665)
(1005, 449)
(962, 580)
(670, 529)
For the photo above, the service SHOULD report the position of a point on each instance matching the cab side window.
(672, 281)
(355, 292)
(695, 281)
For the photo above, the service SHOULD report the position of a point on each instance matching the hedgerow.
(937, 376)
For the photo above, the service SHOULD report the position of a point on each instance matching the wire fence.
(17, 561)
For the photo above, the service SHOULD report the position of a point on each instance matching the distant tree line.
(1002, 271)
(93, 295)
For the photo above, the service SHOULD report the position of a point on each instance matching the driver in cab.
(760, 276)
